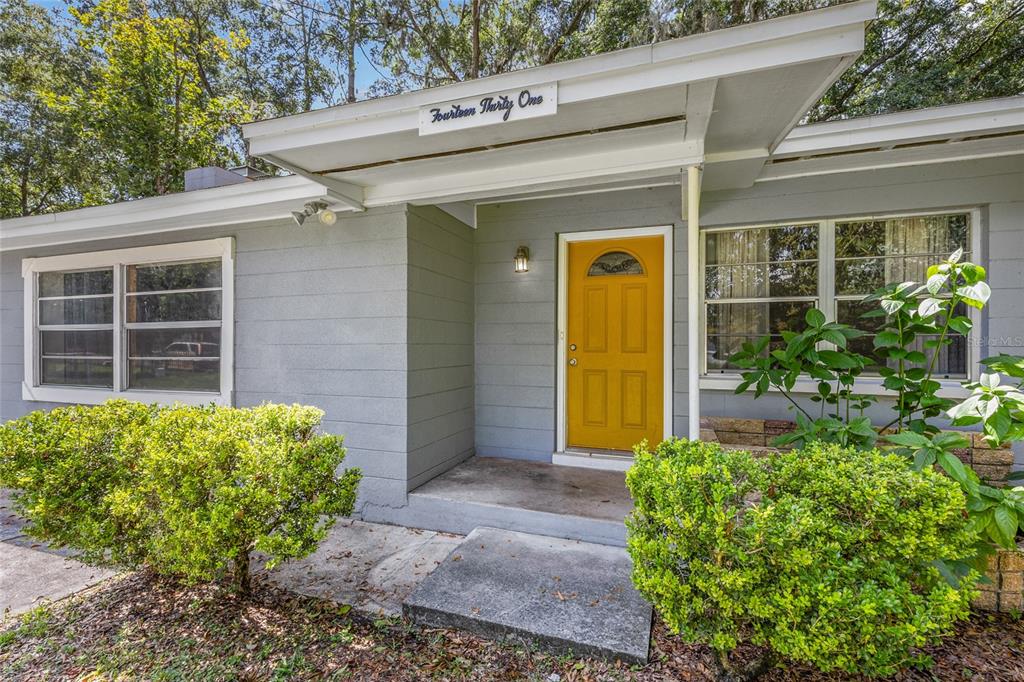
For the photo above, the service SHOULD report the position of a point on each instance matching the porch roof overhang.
(725, 99)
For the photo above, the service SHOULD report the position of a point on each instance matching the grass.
(137, 626)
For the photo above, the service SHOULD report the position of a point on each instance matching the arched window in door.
(615, 263)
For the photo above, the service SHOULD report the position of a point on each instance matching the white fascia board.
(556, 172)
(831, 32)
(957, 120)
(966, 150)
(233, 204)
(852, 14)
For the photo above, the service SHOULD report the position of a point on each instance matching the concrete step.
(461, 517)
(562, 595)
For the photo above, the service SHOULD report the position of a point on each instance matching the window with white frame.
(761, 280)
(152, 320)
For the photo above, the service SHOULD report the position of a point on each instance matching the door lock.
(572, 346)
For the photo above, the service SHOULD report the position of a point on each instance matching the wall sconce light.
(317, 208)
(522, 259)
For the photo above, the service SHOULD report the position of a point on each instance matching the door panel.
(615, 342)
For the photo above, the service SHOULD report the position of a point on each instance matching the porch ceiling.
(727, 97)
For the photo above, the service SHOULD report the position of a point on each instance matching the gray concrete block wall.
(320, 319)
(440, 343)
(516, 317)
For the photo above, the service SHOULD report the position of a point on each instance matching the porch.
(520, 495)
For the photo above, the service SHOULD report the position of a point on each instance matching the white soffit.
(960, 132)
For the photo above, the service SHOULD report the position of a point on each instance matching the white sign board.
(497, 107)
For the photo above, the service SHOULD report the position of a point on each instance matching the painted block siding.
(321, 317)
(440, 338)
(516, 317)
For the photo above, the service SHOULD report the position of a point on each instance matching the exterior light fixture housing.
(522, 259)
(317, 208)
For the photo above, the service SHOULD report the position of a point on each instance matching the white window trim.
(32, 390)
(867, 385)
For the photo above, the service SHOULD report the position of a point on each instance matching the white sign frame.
(505, 106)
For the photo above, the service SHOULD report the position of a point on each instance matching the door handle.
(572, 362)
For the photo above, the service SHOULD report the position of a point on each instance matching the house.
(547, 265)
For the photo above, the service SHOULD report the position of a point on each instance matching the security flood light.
(317, 208)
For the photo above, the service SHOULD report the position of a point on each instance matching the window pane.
(178, 374)
(615, 263)
(924, 235)
(866, 275)
(174, 343)
(761, 281)
(873, 253)
(76, 283)
(197, 306)
(77, 372)
(952, 359)
(762, 245)
(77, 311)
(78, 343)
(730, 324)
(162, 277)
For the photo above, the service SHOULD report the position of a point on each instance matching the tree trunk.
(350, 51)
(474, 69)
(241, 575)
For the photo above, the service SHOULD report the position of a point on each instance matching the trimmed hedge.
(823, 555)
(186, 491)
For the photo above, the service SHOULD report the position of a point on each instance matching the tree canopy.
(114, 99)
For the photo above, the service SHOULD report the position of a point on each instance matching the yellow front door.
(615, 342)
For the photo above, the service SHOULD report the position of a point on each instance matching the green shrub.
(63, 464)
(823, 555)
(187, 491)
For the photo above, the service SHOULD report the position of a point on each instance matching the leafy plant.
(917, 322)
(820, 352)
(186, 491)
(825, 555)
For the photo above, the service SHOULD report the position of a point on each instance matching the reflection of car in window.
(190, 349)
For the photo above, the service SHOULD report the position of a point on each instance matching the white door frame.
(564, 239)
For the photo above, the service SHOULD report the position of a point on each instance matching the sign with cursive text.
(498, 107)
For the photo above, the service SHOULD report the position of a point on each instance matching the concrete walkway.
(31, 574)
(565, 596)
(370, 566)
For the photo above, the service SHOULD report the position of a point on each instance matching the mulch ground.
(140, 627)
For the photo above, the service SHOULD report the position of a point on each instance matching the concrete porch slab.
(370, 566)
(531, 497)
(563, 595)
(535, 486)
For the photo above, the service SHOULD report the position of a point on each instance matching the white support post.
(693, 302)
